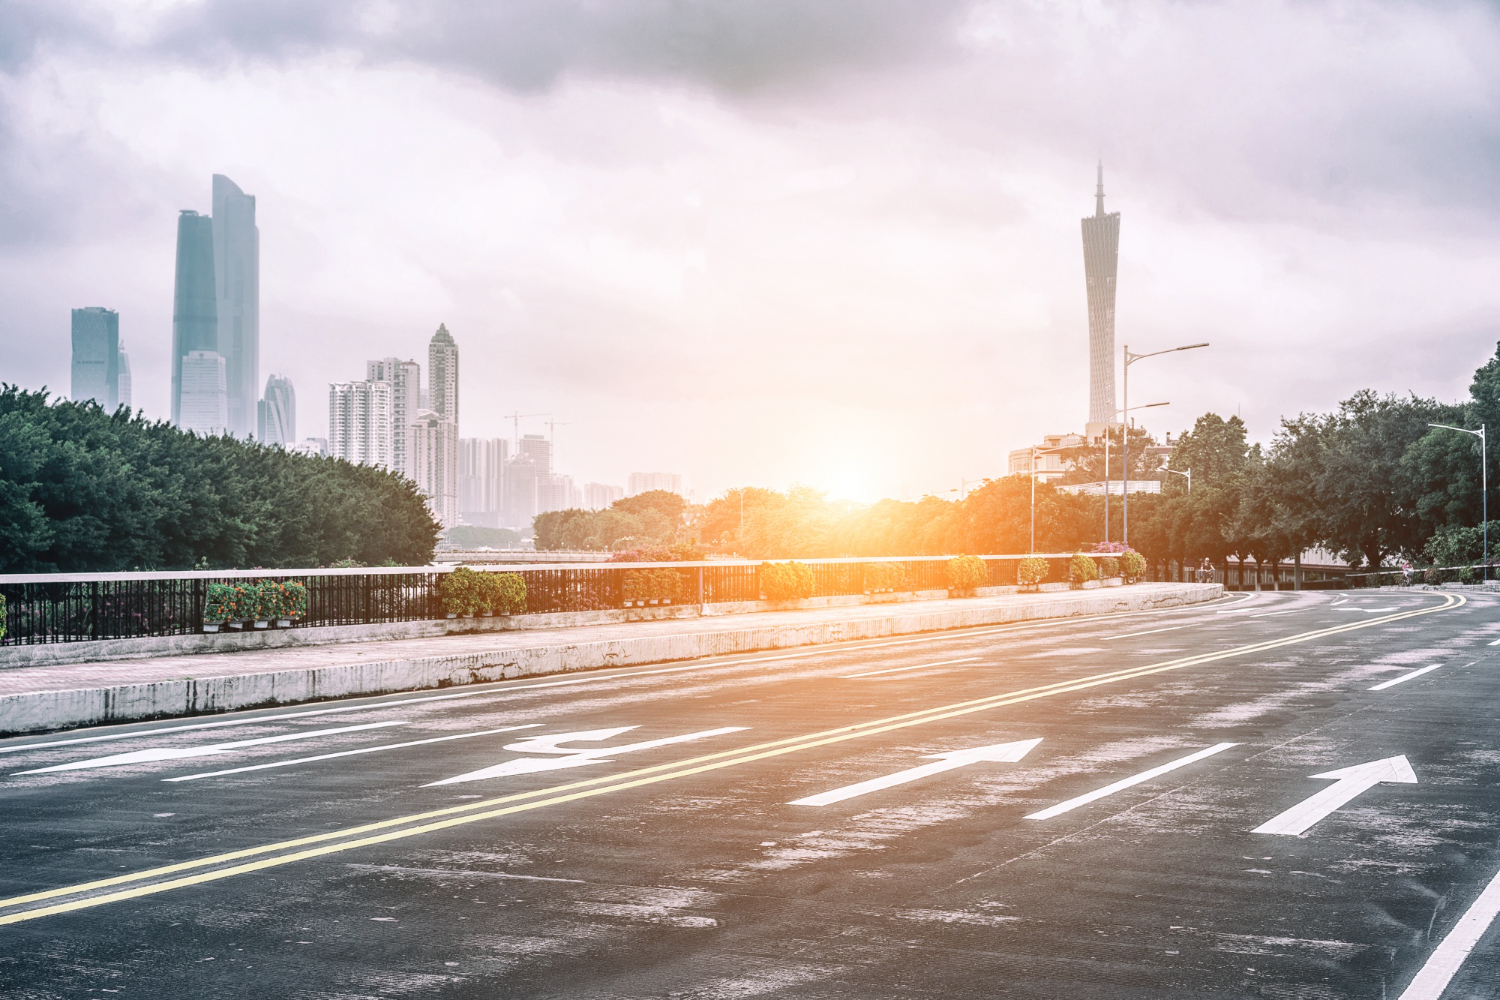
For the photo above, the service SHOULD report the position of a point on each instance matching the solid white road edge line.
(1124, 783)
(204, 750)
(917, 666)
(1448, 957)
(1405, 677)
(349, 753)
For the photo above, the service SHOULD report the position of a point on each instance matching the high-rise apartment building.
(276, 416)
(643, 482)
(598, 496)
(527, 481)
(237, 300)
(203, 404)
(442, 374)
(195, 322)
(481, 489)
(434, 455)
(557, 492)
(405, 378)
(96, 357)
(122, 379)
(1101, 262)
(359, 422)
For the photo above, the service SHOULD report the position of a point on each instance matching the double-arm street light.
(1484, 486)
(1131, 359)
(1188, 473)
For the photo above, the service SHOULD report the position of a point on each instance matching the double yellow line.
(303, 848)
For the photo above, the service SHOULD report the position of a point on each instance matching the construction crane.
(515, 419)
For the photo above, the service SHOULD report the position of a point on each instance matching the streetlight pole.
(1131, 359)
(1123, 431)
(1188, 473)
(1484, 487)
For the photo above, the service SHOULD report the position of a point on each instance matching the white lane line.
(1348, 783)
(1447, 958)
(461, 873)
(1005, 752)
(916, 666)
(1495, 643)
(1405, 677)
(569, 757)
(1124, 783)
(1267, 614)
(1369, 611)
(1153, 631)
(349, 753)
(207, 750)
(488, 690)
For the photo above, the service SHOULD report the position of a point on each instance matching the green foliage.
(462, 592)
(235, 602)
(501, 593)
(1032, 571)
(86, 491)
(965, 573)
(663, 585)
(2, 616)
(1134, 566)
(1082, 568)
(653, 518)
(1468, 574)
(1109, 566)
(886, 577)
(785, 581)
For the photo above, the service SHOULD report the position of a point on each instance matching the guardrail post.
(700, 589)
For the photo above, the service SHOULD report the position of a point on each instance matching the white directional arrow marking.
(1349, 782)
(1001, 752)
(572, 757)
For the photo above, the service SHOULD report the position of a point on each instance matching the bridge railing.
(76, 607)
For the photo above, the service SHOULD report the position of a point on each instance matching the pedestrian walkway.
(55, 696)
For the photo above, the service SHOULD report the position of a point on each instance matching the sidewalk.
(58, 696)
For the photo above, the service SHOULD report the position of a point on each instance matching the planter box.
(283, 623)
(263, 623)
(212, 626)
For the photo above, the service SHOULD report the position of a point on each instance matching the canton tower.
(1101, 260)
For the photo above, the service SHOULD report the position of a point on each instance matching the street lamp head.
(1189, 347)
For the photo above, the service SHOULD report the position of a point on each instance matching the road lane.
(709, 882)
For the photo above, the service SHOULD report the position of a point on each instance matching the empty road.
(1274, 795)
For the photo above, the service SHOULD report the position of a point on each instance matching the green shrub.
(1032, 571)
(235, 602)
(505, 593)
(1082, 569)
(884, 577)
(965, 573)
(462, 592)
(785, 581)
(1468, 574)
(2, 616)
(1108, 566)
(637, 584)
(1134, 566)
(664, 584)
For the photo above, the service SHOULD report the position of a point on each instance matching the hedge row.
(465, 592)
(246, 601)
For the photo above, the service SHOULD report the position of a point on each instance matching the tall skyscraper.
(122, 380)
(442, 374)
(434, 452)
(359, 422)
(96, 357)
(203, 400)
(643, 482)
(237, 298)
(405, 378)
(276, 417)
(528, 480)
(195, 322)
(1101, 260)
(481, 468)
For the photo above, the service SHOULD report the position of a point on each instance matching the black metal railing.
(53, 608)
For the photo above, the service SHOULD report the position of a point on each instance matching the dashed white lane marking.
(1495, 643)
(1006, 752)
(917, 666)
(1268, 614)
(1124, 783)
(1369, 611)
(1152, 631)
(350, 753)
(1349, 782)
(569, 757)
(207, 750)
(1405, 677)
(1447, 958)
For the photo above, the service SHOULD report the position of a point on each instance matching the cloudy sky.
(773, 241)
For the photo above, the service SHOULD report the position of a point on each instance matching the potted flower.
(965, 573)
(460, 591)
(508, 593)
(636, 582)
(1031, 572)
(1082, 571)
(288, 601)
(239, 603)
(216, 604)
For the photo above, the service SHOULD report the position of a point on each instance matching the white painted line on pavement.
(1447, 958)
(1349, 782)
(1005, 752)
(1153, 631)
(1495, 643)
(349, 753)
(1124, 783)
(1405, 677)
(917, 666)
(207, 750)
(1267, 614)
(571, 757)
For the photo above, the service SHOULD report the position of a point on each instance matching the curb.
(47, 710)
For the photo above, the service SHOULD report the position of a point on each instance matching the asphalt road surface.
(1275, 795)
